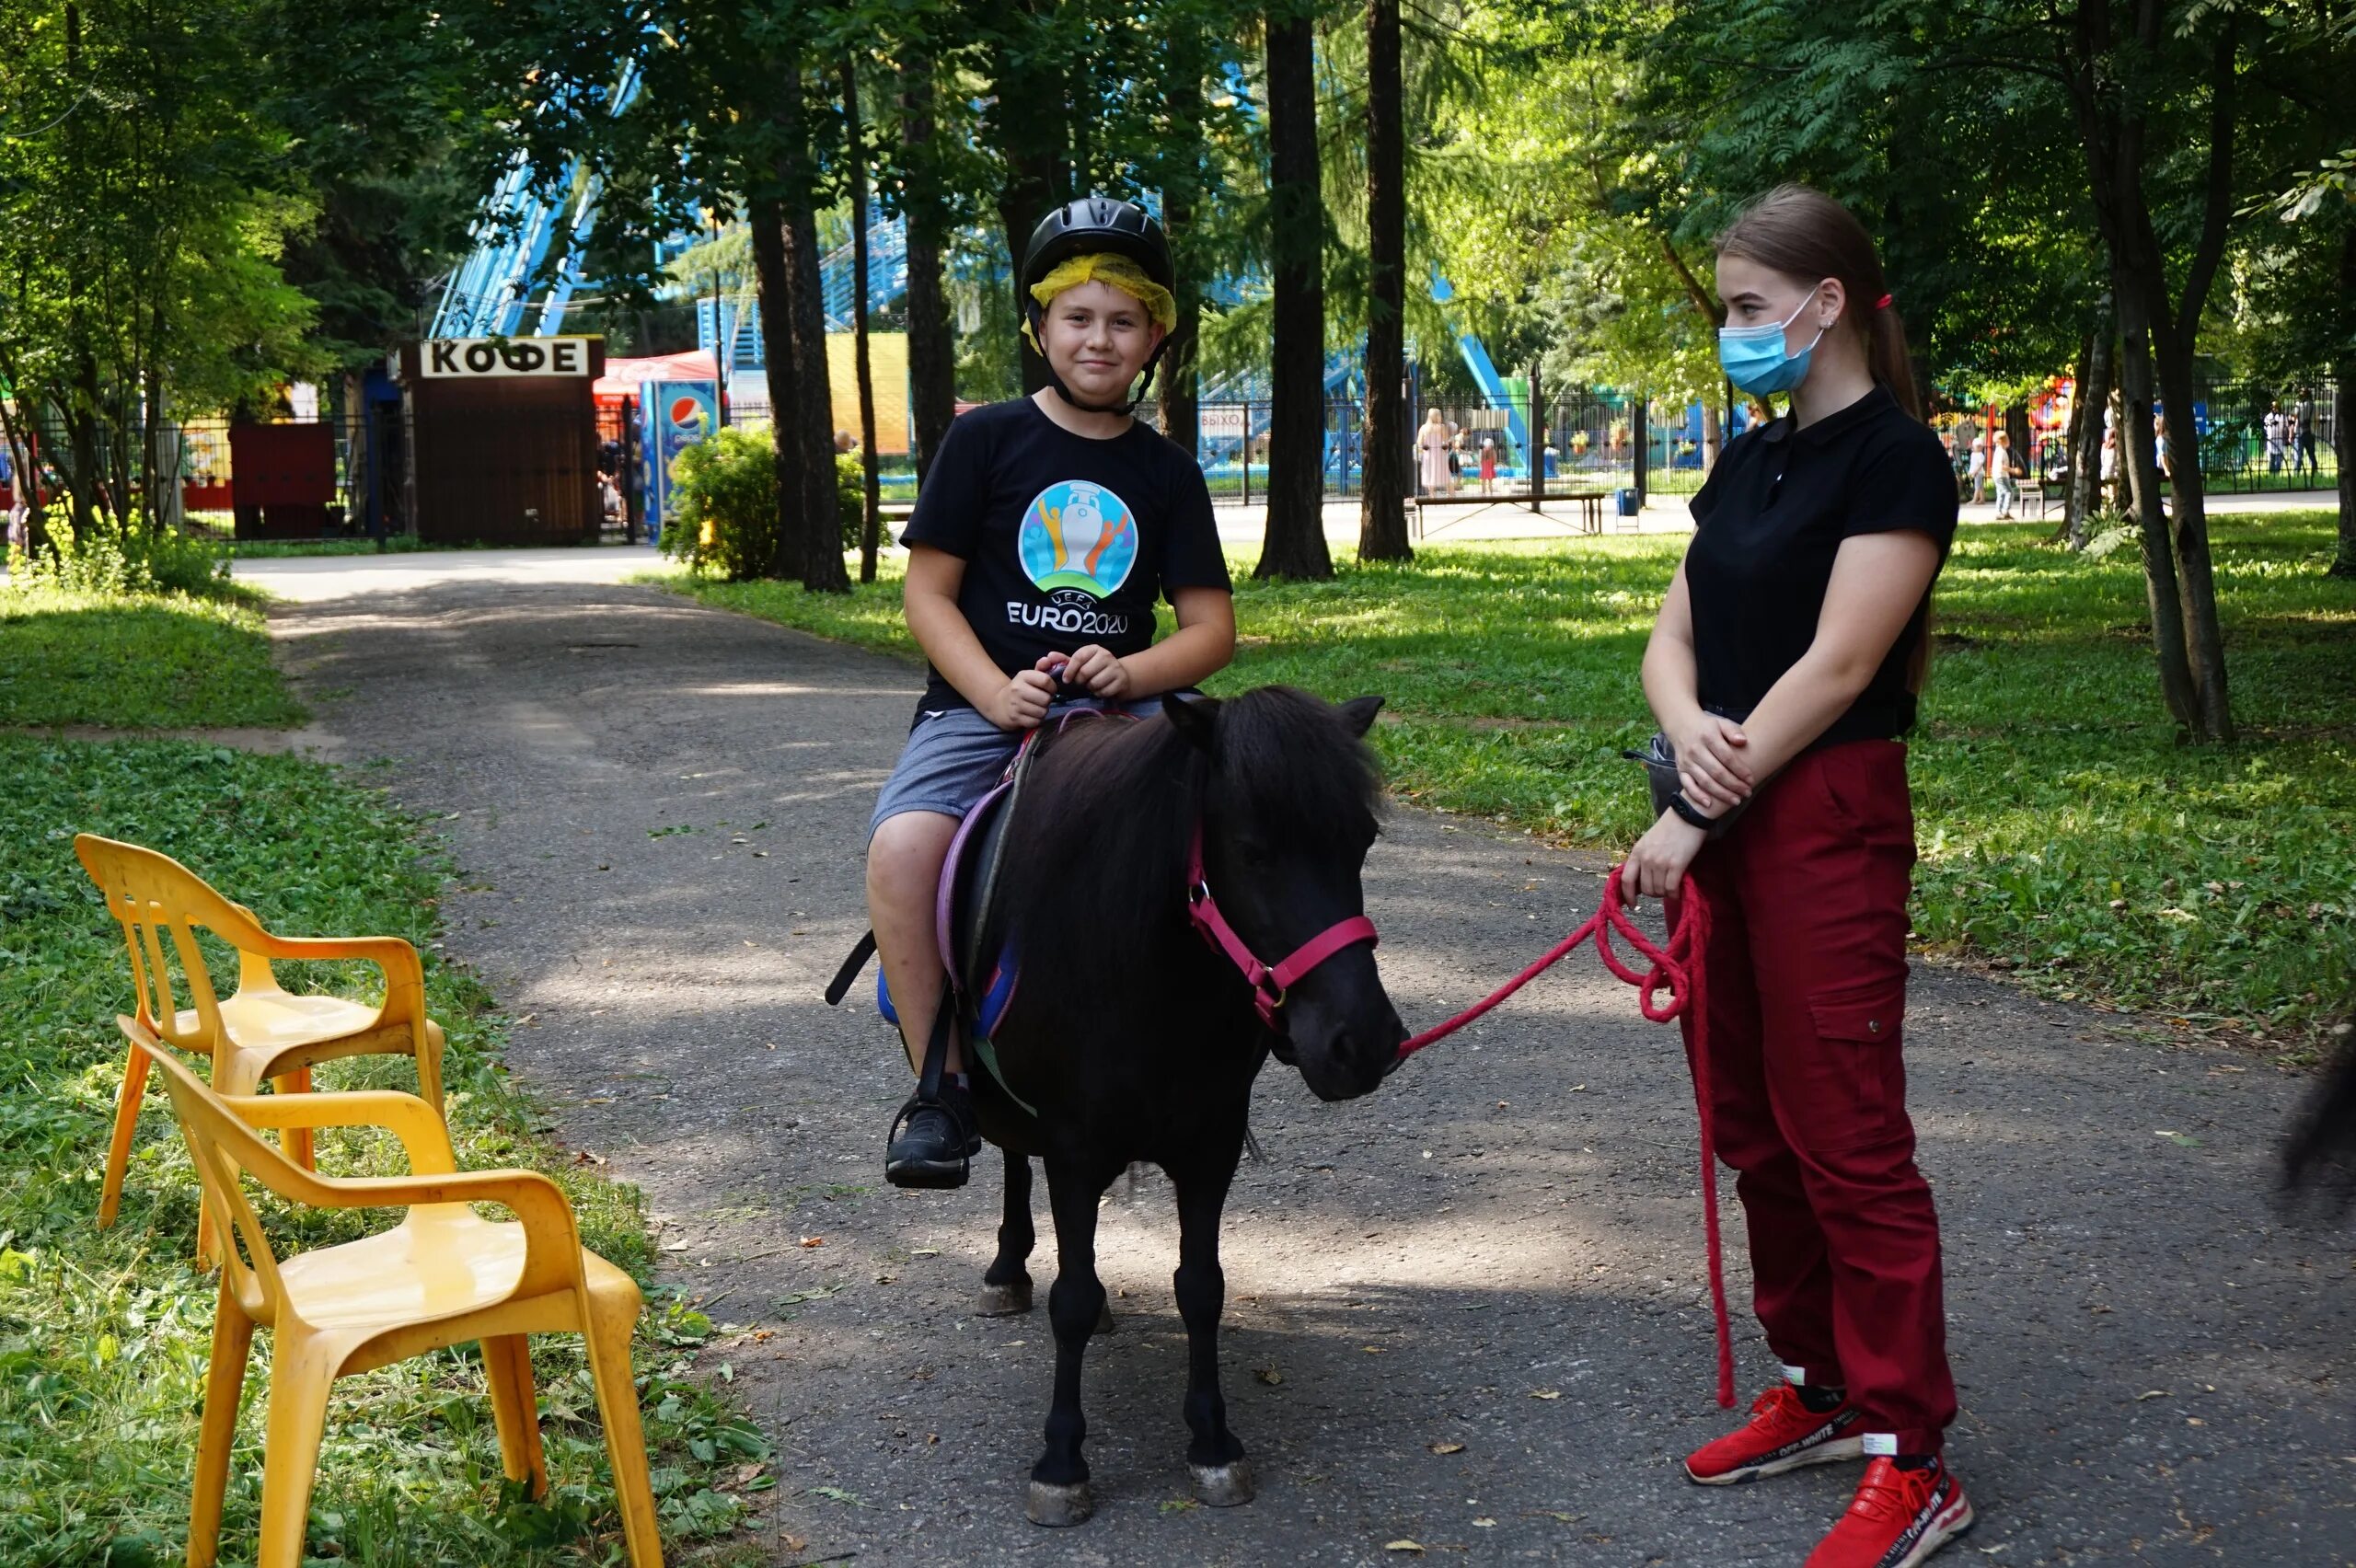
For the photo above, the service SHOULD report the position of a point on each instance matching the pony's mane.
(1096, 855)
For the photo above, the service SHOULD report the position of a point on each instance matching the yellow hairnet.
(1117, 271)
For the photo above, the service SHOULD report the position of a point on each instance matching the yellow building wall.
(887, 363)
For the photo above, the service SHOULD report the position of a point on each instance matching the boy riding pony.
(1045, 529)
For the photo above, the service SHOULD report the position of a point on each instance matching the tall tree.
(872, 521)
(789, 456)
(2120, 77)
(1295, 541)
(821, 522)
(1383, 501)
(924, 206)
(1184, 198)
(1038, 81)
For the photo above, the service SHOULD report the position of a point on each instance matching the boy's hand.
(1095, 670)
(1022, 702)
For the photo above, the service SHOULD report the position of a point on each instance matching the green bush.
(726, 522)
(115, 558)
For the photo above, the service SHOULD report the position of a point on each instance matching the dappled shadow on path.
(661, 811)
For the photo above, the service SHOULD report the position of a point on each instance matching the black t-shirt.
(1067, 540)
(1767, 526)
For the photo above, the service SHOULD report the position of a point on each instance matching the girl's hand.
(1655, 866)
(1022, 702)
(1096, 669)
(1712, 769)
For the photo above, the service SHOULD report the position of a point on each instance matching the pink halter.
(1268, 985)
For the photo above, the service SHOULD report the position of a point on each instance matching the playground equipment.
(1484, 372)
(261, 1034)
(443, 1277)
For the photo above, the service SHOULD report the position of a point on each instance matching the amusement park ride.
(499, 292)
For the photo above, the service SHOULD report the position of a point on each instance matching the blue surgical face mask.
(1756, 359)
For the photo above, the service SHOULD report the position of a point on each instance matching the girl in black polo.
(1784, 669)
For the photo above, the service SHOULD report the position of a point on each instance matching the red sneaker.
(1899, 1518)
(1783, 1434)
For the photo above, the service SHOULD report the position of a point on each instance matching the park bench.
(1590, 503)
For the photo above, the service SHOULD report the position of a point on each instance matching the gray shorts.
(955, 756)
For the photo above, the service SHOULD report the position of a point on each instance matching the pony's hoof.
(1003, 1301)
(1057, 1506)
(1222, 1486)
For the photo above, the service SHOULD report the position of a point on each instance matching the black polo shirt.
(1767, 524)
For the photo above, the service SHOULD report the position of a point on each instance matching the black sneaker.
(932, 1140)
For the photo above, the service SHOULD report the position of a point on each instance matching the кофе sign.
(470, 357)
(502, 439)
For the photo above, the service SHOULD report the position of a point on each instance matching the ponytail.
(1886, 356)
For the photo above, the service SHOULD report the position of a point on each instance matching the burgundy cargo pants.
(1807, 967)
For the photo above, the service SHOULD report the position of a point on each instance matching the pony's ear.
(1358, 713)
(1194, 718)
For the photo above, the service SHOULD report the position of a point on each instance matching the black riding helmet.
(1091, 225)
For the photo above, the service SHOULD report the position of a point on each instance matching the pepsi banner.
(448, 358)
(676, 415)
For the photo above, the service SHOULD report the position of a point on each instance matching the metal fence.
(1588, 441)
(2240, 455)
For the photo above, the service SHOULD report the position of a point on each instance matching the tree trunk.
(822, 529)
(2343, 417)
(1035, 95)
(2213, 717)
(2140, 454)
(1180, 203)
(2173, 342)
(932, 355)
(773, 292)
(1383, 501)
(2088, 407)
(1294, 543)
(871, 521)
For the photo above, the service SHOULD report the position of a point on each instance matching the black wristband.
(1690, 812)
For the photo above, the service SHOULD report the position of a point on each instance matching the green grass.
(137, 660)
(279, 550)
(104, 1334)
(2065, 833)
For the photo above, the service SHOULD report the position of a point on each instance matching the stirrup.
(951, 1170)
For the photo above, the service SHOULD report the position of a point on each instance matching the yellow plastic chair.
(443, 1277)
(261, 1033)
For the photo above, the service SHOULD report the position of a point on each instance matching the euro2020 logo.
(1078, 535)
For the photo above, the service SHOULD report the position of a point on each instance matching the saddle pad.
(957, 917)
(990, 1007)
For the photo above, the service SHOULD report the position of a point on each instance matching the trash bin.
(1626, 496)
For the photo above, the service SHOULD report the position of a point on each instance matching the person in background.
(1488, 464)
(2108, 499)
(1976, 474)
(2160, 439)
(2003, 474)
(2303, 432)
(2275, 427)
(1431, 454)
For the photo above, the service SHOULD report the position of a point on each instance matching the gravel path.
(1467, 1311)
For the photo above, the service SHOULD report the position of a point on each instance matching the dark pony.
(1133, 1041)
(2322, 1148)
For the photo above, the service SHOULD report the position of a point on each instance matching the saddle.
(979, 987)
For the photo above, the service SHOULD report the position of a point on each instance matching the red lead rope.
(1680, 968)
